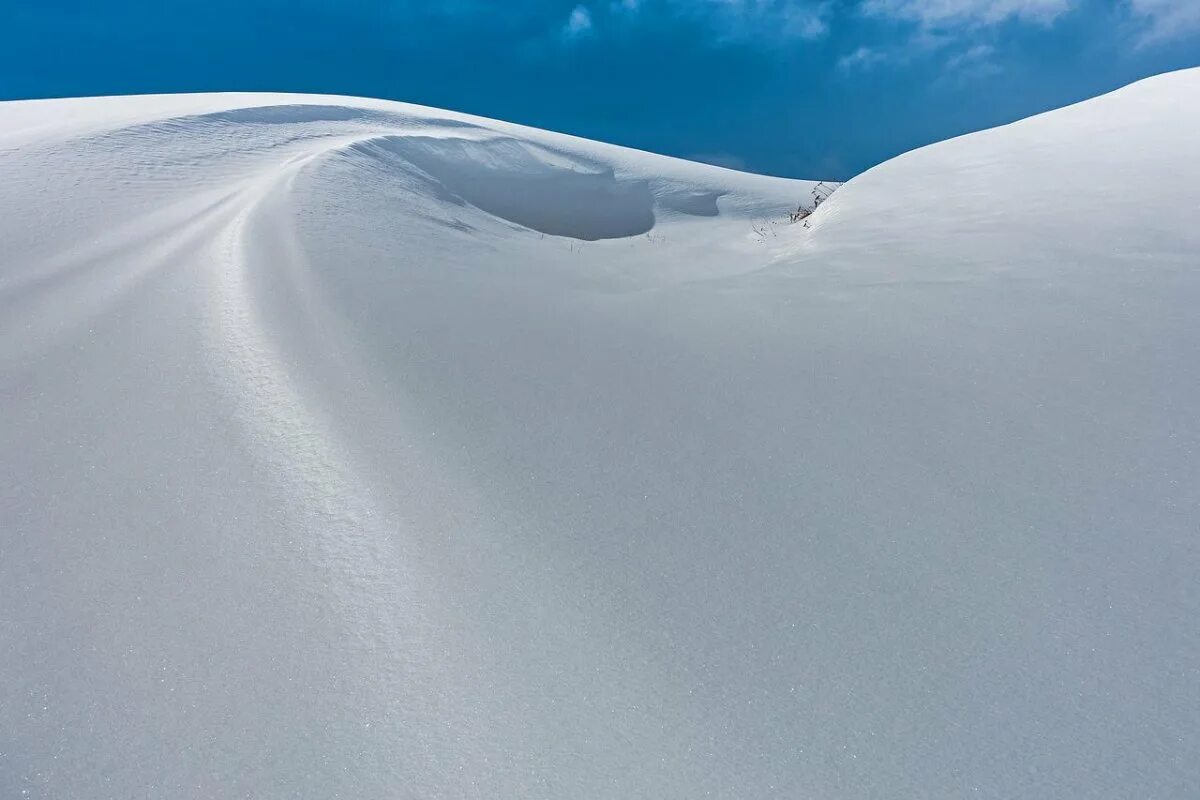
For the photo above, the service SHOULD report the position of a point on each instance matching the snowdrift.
(357, 449)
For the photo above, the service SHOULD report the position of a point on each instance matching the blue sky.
(804, 88)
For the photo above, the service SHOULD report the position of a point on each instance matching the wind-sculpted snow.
(351, 448)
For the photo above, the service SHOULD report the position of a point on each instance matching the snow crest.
(353, 448)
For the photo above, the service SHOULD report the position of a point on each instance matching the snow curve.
(353, 448)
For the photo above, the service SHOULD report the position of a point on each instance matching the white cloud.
(972, 55)
(806, 23)
(969, 13)
(940, 21)
(861, 60)
(974, 62)
(762, 19)
(579, 23)
(1167, 19)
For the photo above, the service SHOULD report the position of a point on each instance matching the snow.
(356, 449)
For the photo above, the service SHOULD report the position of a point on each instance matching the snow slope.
(357, 449)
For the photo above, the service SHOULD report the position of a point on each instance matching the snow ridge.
(353, 448)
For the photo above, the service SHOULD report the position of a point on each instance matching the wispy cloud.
(765, 20)
(958, 67)
(808, 21)
(1166, 19)
(969, 13)
(578, 23)
(861, 60)
(975, 62)
(938, 21)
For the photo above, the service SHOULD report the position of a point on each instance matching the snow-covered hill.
(355, 449)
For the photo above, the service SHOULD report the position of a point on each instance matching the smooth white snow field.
(354, 449)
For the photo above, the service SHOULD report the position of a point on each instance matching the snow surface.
(355, 449)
